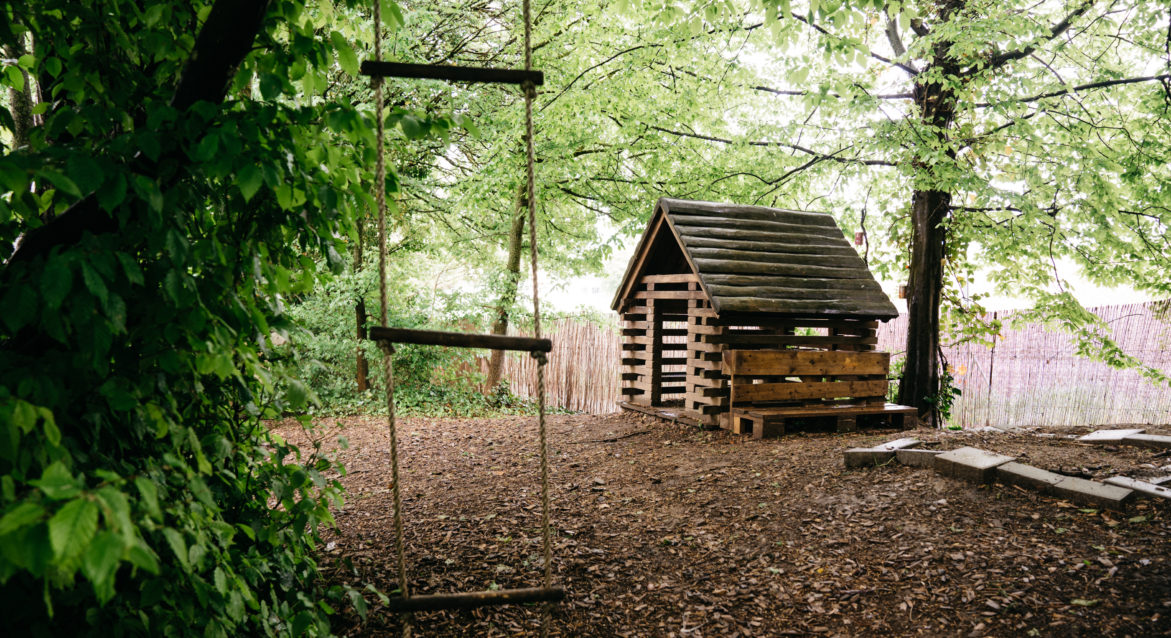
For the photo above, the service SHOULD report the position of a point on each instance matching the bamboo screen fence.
(1031, 377)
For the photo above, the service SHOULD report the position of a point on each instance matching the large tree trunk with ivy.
(508, 294)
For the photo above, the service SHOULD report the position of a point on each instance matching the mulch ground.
(663, 530)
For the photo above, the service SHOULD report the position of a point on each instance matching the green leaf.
(93, 281)
(177, 545)
(1082, 602)
(142, 556)
(52, 432)
(53, 66)
(24, 416)
(345, 53)
(249, 180)
(150, 495)
(63, 183)
(57, 482)
(72, 528)
(101, 562)
(55, 281)
(20, 516)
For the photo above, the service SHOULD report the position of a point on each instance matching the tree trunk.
(929, 209)
(508, 295)
(360, 322)
(921, 372)
(21, 102)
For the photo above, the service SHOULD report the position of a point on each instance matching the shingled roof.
(752, 259)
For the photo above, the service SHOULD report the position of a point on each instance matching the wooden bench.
(768, 387)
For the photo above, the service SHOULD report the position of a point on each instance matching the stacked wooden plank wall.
(708, 391)
(654, 333)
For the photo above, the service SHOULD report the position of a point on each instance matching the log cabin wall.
(654, 340)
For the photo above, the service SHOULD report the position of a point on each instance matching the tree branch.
(223, 41)
(1055, 31)
(824, 156)
(906, 67)
(1084, 87)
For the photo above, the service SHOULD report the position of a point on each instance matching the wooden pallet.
(762, 422)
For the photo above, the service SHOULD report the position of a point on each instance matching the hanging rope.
(546, 528)
(387, 349)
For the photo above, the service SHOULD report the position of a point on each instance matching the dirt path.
(666, 531)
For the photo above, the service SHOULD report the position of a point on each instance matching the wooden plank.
(761, 392)
(696, 239)
(837, 261)
(451, 73)
(730, 266)
(677, 207)
(668, 414)
(843, 307)
(815, 341)
(853, 284)
(804, 362)
(770, 227)
(682, 278)
(796, 293)
(472, 600)
(669, 294)
(831, 410)
(459, 339)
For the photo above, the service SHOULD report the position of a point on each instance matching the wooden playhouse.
(745, 317)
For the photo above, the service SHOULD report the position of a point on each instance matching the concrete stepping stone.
(970, 464)
(1156, 441)
(1034, 478)
(1076, 490)
(1109, 436)
(1142, 487)
(1086, 492)
(1161, 480)
(898, 444)
(916, 457)
(877, 455)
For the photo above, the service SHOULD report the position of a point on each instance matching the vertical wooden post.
(654, 351)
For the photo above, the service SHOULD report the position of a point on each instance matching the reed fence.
(1031, 377)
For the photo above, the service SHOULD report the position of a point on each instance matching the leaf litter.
(662, 530)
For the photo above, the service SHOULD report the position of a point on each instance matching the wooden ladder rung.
(471, 600)
(451, 73)
(459, 339)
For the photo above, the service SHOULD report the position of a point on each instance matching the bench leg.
(741, 425)
(847, 424)
(769, 427)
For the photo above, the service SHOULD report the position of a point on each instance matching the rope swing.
(386, 337)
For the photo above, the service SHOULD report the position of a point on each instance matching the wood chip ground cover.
(666, 531)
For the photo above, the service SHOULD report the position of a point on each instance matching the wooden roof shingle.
(752, 259)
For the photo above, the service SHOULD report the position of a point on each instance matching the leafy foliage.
(140, 492)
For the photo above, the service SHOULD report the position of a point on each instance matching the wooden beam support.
(460, 339)
(451, 73)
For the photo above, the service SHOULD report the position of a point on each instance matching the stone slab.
(1093, 493)
(1108, 436)
(867, 457)
(970, 464)
(916, 457)
(1034, 478)
(1161, 480)
(1156, 441)
(1142, 487)
(898, 444)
